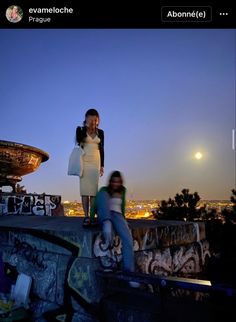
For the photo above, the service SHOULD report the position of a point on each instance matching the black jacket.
(81, 134)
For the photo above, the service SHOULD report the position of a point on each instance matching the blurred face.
(92, 121)
(116, 183)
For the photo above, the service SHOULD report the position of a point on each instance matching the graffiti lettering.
(31, 254)
(39, 205)
(185, 259)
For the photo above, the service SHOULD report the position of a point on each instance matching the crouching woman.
(109, 205)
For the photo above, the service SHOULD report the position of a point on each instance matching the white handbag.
(75, 166)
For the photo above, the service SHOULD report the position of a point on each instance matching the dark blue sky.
(162, 95)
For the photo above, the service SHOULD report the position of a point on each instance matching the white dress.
(91, 167)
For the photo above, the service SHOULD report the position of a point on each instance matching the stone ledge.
(42, 247)
(147, 234)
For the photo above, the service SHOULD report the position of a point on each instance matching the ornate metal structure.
(16, 160)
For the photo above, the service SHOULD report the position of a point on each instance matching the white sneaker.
(134, 284)
(108, 270)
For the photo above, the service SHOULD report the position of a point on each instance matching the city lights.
(145, 209)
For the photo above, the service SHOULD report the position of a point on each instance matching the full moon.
(198, 155)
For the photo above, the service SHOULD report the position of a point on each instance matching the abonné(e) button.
(186, 14)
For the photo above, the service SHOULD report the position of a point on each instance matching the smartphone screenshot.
(117, 161)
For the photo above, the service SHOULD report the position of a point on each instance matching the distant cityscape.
(145, 209)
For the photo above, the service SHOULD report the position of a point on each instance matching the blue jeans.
(120, 225)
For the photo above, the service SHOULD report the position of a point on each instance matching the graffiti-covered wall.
(173, 248)
(62, 257)
(30, 204)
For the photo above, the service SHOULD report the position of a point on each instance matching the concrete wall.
(54, 249)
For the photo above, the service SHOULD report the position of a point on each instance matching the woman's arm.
(80, 134)
(101, 147)
(123, 197)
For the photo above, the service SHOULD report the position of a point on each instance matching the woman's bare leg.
(91, 201)
(85, 204)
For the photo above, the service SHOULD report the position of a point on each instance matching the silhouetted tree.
(222, 238)
(182, 207)
(230, 215)
(233, 200)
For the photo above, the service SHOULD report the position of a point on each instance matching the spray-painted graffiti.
(110, 256)
(59, 274)
(175, 260)
(151, 259)
(167, 235)
(56, 277)
(30, 204)
(39, 257)
(31, 254)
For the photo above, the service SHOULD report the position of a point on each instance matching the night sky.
(162, 95)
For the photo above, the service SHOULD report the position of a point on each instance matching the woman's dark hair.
(115, 174)
(91, 112)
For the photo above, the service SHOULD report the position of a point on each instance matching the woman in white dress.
(91, 139)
